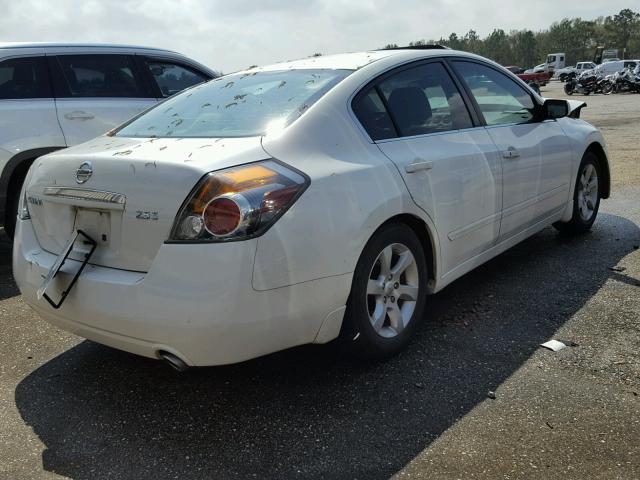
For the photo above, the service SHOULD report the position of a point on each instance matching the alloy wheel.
(392, 290)
(587, 192)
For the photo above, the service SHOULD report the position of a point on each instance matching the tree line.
(576, 37)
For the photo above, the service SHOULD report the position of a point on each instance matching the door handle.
(511, 152)
(418, 165)
(78, 115)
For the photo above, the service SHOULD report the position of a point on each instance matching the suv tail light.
(238, 203)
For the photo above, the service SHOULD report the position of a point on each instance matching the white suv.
(57, 95)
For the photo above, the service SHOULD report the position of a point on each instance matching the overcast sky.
(233, 34)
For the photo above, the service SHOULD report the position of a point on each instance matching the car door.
(27, 109)
(169, 77)
(419, 120)
(97, 92)
(536, 154)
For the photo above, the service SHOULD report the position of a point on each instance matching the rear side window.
(423, 100)
(172, 78)
(501, 100)
(24, 78)
(373, 115)
(98, 76)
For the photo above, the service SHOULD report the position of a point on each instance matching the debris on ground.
(617, 269)
(556, 345)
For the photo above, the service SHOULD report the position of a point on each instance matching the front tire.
(586, 197)
(388, 293)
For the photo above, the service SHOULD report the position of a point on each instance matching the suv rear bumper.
(196, 302)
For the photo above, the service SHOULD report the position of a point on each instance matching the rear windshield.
(239, 105)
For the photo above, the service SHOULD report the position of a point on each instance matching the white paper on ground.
(554, 345)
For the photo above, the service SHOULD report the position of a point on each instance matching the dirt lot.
(618, 117)
(74, 409)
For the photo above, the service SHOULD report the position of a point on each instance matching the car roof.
(350, 61)
(12, 45)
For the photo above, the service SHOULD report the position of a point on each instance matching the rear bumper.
(196, 301)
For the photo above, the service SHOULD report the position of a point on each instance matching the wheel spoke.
(374, 287)
(378, 316)
(385, 260)
(407, 292)
(588, 171)
(395, 318)
(584, 179)
(404, 261)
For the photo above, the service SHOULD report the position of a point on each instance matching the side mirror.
(553, 108)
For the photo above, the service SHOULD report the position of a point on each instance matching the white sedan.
(300, 202)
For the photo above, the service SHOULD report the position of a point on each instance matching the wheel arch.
(598, 150)
(17, 168)
(426, 237)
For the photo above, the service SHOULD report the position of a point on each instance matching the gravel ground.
(72, 408)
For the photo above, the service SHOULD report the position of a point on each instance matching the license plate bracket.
(62, 258)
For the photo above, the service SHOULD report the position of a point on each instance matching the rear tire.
(586, 197)
(13, 199)
(388, 294)
(11, 213)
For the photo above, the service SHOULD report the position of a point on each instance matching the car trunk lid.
(129, 200)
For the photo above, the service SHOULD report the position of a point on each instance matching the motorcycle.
(623, 81)
(585, 83)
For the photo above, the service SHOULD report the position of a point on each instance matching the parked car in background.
(514, 69)
(563, 73)
(57, 95)
(608, 68)
(537, 69)
(539, 78)
(299, 202)
(534, 80)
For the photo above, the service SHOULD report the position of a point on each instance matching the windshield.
(239, 105)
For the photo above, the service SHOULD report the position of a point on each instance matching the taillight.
(238, 203)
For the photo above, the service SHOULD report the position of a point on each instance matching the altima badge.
(84, 172)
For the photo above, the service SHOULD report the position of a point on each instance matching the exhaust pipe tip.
(173, 361)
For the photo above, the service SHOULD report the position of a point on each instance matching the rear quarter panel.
(354, 189)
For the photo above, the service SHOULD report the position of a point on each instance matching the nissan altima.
(300, 202)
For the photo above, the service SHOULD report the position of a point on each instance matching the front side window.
(423, 100)
(240, 105)
(99, 76)
(172, 78)
(501, 100)
(24, 78)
